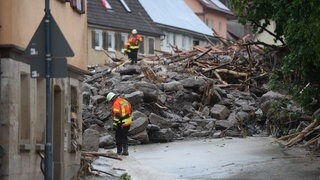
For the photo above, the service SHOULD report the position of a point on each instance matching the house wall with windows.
(22, 98)
(183, 41)
(110, 25)
(103, 45)
(218, 22)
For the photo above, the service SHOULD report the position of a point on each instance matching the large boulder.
(106, 141)
(163, 135)
(271, 95)
(150, 91)
(90, 140)
(219, 112)
(97, 99)
(160, 121)
(138, 125)
(143, 137)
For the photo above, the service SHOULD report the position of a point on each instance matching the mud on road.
(227, 158)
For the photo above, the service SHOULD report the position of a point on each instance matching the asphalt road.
(227, 158)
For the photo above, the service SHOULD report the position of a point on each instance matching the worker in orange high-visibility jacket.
(134, 40)
(121, 110)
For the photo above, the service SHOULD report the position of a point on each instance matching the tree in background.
(298, 29)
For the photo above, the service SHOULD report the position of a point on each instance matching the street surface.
(226, 158)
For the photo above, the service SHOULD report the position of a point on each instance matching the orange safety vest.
(127, 47)
(134, 41)
(122, 107)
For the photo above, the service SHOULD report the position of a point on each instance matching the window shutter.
(83, 10)
(93, 39)
(105, 41)
(73, 3)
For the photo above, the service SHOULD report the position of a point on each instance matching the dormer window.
(126, 7)
(106, 4)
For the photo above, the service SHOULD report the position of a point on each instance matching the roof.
(216, 5)
(119, 18)
(175, 13)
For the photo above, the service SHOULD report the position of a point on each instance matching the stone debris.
(208, 92)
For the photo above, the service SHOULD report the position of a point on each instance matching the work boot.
(119, 149)
(125, 150)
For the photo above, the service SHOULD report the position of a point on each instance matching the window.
(174, 37)
(111, 41)
(125, 6)
(106, 4)
(184, 41)
(151, 45)
(97, 39)
(220, 27)
(124, 39)
(141, 46)
(78, 5)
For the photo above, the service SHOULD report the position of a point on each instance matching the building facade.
(23, 99)
(213, 13)
(109, 27)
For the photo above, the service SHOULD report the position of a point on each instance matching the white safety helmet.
(110, 96)
(134, 31)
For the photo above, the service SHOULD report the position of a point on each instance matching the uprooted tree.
(297, 28)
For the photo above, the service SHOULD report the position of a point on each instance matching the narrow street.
(234, 158)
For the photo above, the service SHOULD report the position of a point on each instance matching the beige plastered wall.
(215, 17)
(19, 20)
(218, 19)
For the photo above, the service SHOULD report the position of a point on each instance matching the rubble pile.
(211, 91)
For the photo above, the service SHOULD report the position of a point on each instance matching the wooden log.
(219, 77)
(313, 140)
(288, 136)
(163, 52)
(184, 57)
(303, 133)
(103, 154)
(230, 85)
(232, 72)
(198, 57)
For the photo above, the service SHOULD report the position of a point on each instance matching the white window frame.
(98, 34)
(125, 38)
(112, 38)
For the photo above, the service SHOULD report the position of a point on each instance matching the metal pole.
(48, 147)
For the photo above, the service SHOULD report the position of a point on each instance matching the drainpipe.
(0, 85)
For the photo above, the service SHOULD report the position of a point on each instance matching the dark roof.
(119, 19)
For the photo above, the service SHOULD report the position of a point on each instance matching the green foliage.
(125, 176)
(298, 28)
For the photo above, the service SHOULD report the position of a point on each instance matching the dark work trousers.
(134, 56)
(129, 54)
(122, 138)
